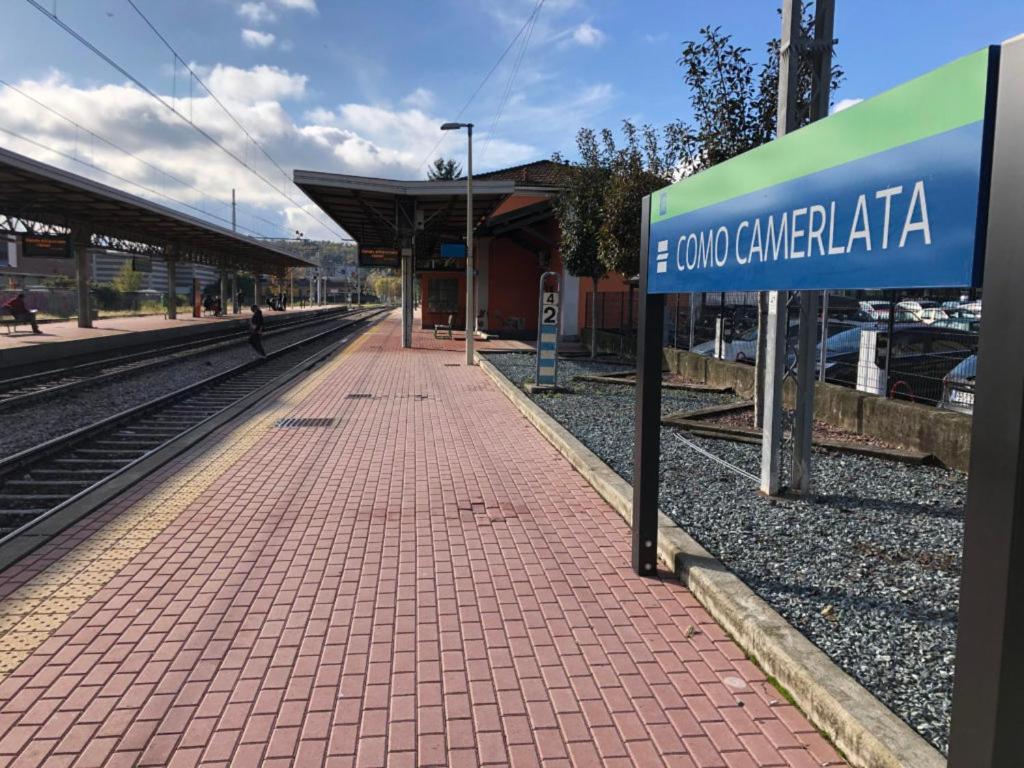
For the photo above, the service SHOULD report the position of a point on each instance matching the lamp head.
(455, 126)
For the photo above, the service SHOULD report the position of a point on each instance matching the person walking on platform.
(21, 312)
(256, 330)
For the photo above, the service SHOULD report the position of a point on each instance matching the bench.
(444, 329)
(12, 321)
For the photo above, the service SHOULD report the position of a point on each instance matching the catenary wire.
(143, 161)
(483, 82)
(146, 89)
(54, 150)
(511, 80)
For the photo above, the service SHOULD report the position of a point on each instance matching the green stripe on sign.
(946, 98)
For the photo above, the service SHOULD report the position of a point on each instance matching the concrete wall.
(944, 434)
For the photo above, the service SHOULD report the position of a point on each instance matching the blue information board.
(890, 193)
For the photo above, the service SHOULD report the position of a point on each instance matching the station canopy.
(34, 191)
(386, 213)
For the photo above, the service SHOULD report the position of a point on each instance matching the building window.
(443, 295)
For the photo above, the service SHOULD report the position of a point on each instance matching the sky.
(362, 86)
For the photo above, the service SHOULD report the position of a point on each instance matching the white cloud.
(256, 12)
(365, 139)
(300, 5)
(588, 35)
(421, 98)
(845, 104)
(260, 83)
(256, 39)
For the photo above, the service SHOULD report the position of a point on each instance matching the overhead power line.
(146, 89)
(150, 190)
(501, 58)
(143, 161)
(532, 22)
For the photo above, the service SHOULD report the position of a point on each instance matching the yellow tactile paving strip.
(31, 613)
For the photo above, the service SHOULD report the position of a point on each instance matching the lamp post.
(470, 292)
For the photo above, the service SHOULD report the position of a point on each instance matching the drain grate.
(359, 396)
(304, 422)
(453, 365)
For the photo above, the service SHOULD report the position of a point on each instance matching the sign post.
(546, 378)
(988, 683)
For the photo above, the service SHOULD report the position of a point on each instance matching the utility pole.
(820, 49)
(793, 44)
(777, 320)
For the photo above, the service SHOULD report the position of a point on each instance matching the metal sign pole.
(988, 686)
(647, 445)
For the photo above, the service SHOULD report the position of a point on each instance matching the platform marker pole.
(647, 445)
(546, 374)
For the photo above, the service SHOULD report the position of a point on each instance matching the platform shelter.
(75, 214)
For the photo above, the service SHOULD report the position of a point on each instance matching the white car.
(929, 315)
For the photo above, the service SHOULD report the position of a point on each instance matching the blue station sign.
(890, 193)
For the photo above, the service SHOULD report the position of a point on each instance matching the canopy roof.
(43, 193)
(386, 212)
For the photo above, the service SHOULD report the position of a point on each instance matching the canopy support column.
(407, 300)
(172, 288)
(80, 245)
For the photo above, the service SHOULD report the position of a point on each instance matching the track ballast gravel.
(868, 569)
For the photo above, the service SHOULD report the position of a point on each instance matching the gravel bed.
(30, 425)
(868, 569)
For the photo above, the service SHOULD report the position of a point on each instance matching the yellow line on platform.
(33, 612)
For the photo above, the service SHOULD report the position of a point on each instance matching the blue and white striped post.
(547, 333)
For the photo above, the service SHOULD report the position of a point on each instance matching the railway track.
(48, 487)
(24, 390)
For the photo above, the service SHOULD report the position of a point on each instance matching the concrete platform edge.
(869, 734)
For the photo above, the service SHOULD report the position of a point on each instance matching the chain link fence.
(931, 358)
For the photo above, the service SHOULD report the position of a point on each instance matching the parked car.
(878, 311)
(743, 348)
(972, 307)
(921, 356)
(969, 324)
(916, 307)
(929, 315)
(958, 386)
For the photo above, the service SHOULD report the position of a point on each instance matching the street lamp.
(470, 293)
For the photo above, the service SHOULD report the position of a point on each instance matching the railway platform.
(63, 340)
(383, 564)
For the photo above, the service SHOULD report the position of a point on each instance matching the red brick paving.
(428, 583)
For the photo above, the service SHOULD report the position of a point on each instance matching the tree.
(127, 279)
(636, 170)
(734, 111)
(444, 170)
(579, 208)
